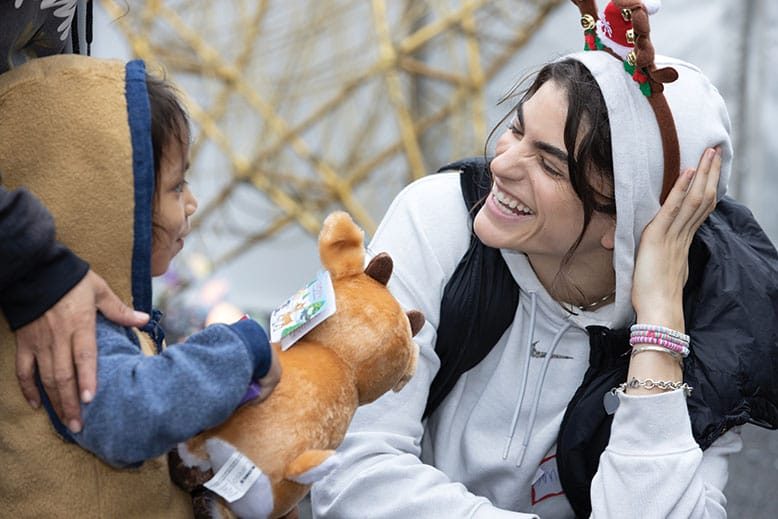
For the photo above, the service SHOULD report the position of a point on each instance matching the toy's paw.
(257, 502)
(311, 466)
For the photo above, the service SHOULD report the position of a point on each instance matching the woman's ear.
(608, 239)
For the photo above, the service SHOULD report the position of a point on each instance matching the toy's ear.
(341, 246)
(380, 268)
(417, 321)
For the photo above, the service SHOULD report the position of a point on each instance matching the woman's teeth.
(510, 204)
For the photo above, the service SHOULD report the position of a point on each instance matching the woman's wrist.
(662, 306)
(657, 365)
(668, 317)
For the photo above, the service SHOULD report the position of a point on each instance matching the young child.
(119, 194)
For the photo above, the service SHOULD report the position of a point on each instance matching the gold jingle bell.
(587, 22)
(630, 35)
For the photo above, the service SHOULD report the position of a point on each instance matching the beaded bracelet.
(640, 349)
(644, 339)
(664, 385)
(664, 337)
(661, 329)
(668, 335)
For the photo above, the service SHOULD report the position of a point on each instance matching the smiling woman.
(543, 198)
(541, 308)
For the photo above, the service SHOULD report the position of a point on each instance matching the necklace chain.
(595, 304)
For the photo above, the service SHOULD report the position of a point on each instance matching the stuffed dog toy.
(353, 357)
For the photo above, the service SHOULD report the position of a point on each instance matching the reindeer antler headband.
(623, 31)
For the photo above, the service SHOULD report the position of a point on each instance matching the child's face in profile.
(174, 203)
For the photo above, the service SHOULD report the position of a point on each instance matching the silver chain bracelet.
(664, 385)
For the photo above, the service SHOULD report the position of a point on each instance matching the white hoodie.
(488, 450)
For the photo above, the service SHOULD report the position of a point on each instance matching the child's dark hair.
(168, 119)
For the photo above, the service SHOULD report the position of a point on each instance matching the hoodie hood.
(701, 120)
(76, 131)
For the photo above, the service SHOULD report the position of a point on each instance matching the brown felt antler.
(642, 58)
(587, 7)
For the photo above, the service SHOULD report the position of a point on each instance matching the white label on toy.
(234, 479)
(303, 311)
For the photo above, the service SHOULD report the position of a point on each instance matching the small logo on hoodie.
(534, 352)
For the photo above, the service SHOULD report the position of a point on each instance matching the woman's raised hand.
(661, 267)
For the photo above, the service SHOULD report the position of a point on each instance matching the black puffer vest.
(731, 314)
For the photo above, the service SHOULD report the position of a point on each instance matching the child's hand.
(223, 312)
(261, 389)
(272, 377)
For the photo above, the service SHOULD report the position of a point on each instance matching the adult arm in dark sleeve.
(37, 270)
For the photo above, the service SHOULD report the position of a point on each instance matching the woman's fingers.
(25, 373)
(711, 189)
(700, 198)
(669, 211)
(45, 361)
(65, 379)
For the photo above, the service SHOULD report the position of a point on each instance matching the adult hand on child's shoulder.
(272, 377)
(62, 342)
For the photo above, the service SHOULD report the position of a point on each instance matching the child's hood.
(701, 120)
(76, 131)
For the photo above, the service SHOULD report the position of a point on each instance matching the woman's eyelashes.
(518, 132)
(549, 168)
(515, 129)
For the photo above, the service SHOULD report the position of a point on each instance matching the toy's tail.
(341, 246)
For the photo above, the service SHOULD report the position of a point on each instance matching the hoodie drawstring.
(538, 386)
(525, 376)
